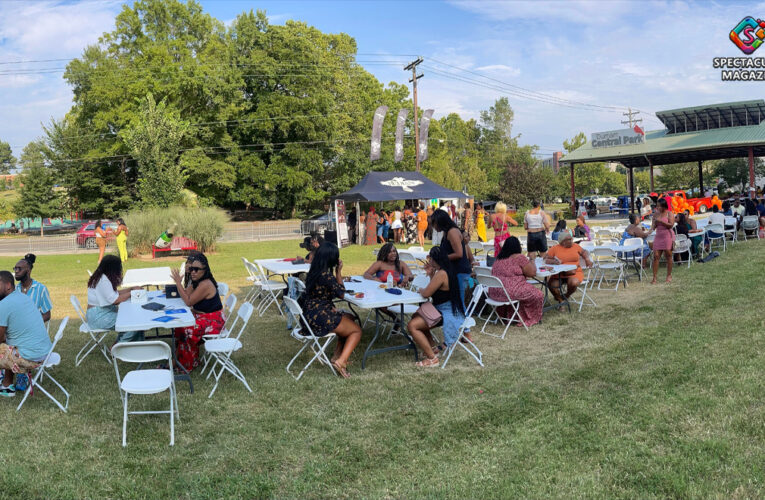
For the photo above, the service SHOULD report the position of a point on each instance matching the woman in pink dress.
(499, 222)
(663, 222)
(512, 268)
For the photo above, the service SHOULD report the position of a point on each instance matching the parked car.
(86, 235)
(700, 205)
(317, 224)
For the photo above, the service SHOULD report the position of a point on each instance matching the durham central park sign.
(623, 137)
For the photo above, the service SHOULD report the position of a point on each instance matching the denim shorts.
(451, 322)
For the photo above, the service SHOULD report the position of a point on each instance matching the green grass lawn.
(656, 393)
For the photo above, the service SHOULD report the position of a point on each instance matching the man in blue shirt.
(34, 289)
(760, 207)
(24, 342)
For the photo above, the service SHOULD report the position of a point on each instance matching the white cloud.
(503, 68)
(551, 12)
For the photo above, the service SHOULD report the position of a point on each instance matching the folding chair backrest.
(182, 270)
(420, 281)
(482, 271)
(633, 241)
(715, 228)
(142, 352)
(681, 238)
(297, 312)
(476, 247)
(247, 268)
(750, 222)
(229, 305)
(729, 221)
(256, 272)
(222, 289)
(587, 245)
(409, 260)
(603, 255)
(416, 249)
(477, 292)
(244, 313)
(492, 282)
(78, 308)
(60, 331)
(89, 272)
(551, 242)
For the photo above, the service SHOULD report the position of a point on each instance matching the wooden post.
(701, 180)
(632, 190)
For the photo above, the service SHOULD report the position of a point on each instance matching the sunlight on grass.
(656, 393)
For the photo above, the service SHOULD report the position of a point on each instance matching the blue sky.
(591, 59)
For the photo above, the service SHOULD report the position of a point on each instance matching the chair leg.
(124, 419)
(172, 417)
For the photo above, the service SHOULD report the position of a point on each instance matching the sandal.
(341, 369)
(427, 363)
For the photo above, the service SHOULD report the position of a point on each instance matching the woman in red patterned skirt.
(201, 294)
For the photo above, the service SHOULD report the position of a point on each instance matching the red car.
(86, 235)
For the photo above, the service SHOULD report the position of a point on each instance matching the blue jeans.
(451, 322)
(104, 318)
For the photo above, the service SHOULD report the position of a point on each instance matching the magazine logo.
(748, 34)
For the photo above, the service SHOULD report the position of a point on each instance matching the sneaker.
(8, 392)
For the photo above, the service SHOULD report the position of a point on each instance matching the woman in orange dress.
(422, 225)
(566, 252)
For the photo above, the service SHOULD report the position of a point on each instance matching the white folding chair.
(637, 254)
(303, 333)
(482, 271)
(715, 232)
(476, 247)
(228, 306)
(750, 223)
(97, 335)
(607, 265)
(468, 323)
(269, 289)
(682, 246)
(411, 262)
(222, 349)
(228, 309)
(580, 297)
(223, 289)
(730, 228)
(152, 381)
(488, 283)
(253, 294)
(51, 360)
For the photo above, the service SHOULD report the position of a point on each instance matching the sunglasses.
(194, 269)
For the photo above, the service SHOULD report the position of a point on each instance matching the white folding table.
(148, 276)
(377, 298)
(282, 267)
(133, 317)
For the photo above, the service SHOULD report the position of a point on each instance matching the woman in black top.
(323, 285)
(201, 295)
(454, 248)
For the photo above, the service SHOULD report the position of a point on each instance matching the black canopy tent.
(394, 186)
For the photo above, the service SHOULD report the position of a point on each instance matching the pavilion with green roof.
(716, 131)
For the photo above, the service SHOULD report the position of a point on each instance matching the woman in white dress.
(396, 225)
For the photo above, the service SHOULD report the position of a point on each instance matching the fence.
(67, 243)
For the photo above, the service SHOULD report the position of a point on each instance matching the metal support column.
(631, 172)
(751, 173)
(573, 192)
(701, 179)
(650, 167)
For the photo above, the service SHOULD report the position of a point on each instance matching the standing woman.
(536, 224)
(663, 222)
(371, 227)
(453, 247)
(499, 222)
(200, 293)
(480, 223)
(122, 234)
(467, 219)
(100, 239)
(422, 225)
(323, 285)
(396, 225)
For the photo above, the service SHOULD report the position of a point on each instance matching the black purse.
(171, 292)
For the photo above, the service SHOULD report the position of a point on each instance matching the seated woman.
(322, 287)
(200, 293)
(310, 244)
(103, 297)
(443, 290)
(635, 230)
(512, 268)
(566, 252)
(388, 263)
(582, 230)
(559, 226)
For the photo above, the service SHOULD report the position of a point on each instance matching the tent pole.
(701, 180)
(358, 223)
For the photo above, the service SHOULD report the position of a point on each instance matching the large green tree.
(37, 197)
(7, 160)
(735, 171)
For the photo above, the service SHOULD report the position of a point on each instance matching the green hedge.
(203, 225)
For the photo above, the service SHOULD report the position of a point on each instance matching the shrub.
(203, 225)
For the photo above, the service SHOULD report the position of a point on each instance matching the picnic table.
(544, 273)
(377, 298)
(133, 317)
(282, 267)
(148, 276)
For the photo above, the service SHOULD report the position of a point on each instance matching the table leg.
(372, 352)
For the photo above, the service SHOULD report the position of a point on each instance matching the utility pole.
(413, 66)
(630, 121)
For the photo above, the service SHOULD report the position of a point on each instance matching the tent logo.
(748, 34)
(402, 183)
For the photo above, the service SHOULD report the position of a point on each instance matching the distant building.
(553, 161)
